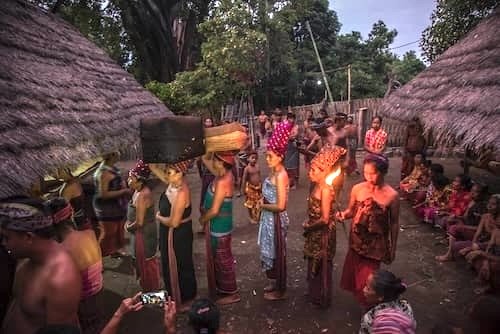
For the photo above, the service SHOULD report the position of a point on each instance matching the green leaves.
(450, 21)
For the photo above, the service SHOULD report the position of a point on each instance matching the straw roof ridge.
(458, 96)
(63, 100)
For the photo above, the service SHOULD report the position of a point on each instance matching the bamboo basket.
(227, 137)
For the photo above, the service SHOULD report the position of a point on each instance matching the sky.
(408, 17)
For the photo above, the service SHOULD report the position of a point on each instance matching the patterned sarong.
(253, 193)
(222, 271)
(147, 268)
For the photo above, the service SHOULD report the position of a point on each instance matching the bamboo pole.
(320, 63)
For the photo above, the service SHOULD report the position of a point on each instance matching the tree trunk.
(149, 26)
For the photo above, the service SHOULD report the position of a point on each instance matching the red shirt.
(375, 140)
(459, 201)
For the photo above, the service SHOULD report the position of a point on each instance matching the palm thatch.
(458, 96)
(63, 101)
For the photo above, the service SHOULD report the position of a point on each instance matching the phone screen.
(154, 298)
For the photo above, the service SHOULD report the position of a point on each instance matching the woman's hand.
(259, 204)
(159, 217)
(475, 246)
(128, 305)
(170, 315)
(341, 215)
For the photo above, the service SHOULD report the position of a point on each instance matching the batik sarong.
(253, 193)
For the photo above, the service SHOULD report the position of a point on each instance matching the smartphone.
(154, 298)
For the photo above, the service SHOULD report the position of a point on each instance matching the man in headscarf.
(48, 285)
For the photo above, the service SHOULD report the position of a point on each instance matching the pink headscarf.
(279, 139)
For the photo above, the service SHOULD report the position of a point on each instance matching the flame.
(329, 179)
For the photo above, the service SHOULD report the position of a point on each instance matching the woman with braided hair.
(374, 208)
(176, 233)
(320, 229)
(141, 224)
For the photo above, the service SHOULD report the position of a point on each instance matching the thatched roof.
(458, 96)
(62, 99)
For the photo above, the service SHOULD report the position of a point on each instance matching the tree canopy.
(200, 54)
(450, 21)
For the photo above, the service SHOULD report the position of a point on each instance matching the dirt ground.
(437, 291)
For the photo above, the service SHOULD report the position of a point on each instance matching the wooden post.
(320, 63)
(467, 156)
(349, 88)
(361, 122)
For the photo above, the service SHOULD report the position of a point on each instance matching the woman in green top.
(141, 224)
(218, 213)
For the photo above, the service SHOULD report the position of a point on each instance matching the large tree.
(140, 35)
(450, 21)
(158, 55)
(232, 51)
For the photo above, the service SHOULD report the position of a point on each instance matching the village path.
(441, 292)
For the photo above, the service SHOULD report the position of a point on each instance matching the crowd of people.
(64, 240)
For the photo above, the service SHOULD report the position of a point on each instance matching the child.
(487, 263)
(253, 187)
(436, 199)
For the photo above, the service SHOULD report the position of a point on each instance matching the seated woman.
(466, 226)
(457, 205)
(476, 208)
(436, 198)
(387, 312)
(487, 264)
(465, 239)
(410, 183)
(85, 251)
(421, 192)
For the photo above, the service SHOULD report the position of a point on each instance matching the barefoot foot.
(274, 295)
(444, 258)
(229, 299)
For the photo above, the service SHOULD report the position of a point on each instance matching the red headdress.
(226, 156)
(181, 166)
(141, 170)
(279, 139)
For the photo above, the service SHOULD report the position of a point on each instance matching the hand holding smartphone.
(154, 298)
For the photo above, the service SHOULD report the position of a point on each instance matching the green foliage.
(231, 53)
(233, 48)
(407, 68)
(450, 21)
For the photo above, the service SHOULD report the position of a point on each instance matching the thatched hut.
(458, 96)
(63, 100)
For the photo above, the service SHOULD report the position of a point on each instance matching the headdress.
(24, 218)
(279, 139)
(181, 166)
(341, 115)
(380, 161)
(226, 156)
(327, 157)
(141, 170)
(60, 209)
(63, 214)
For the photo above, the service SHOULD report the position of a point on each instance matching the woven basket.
(224, 129)
(227, 137)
